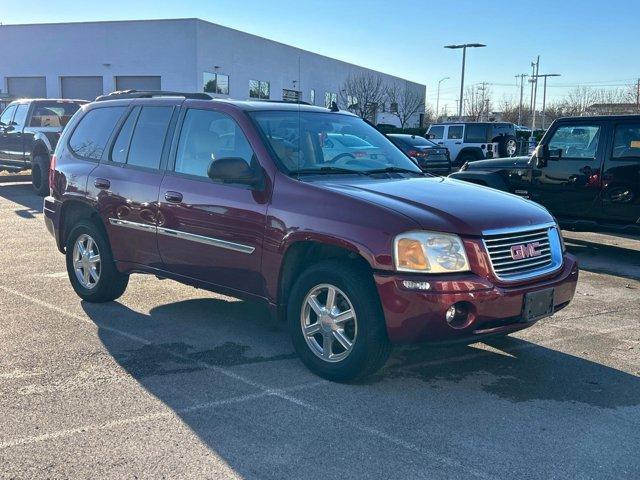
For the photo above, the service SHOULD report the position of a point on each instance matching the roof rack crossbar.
(268, 100)
(122, 94)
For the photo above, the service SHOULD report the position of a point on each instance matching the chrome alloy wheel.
(512, 147)
(86, 261)
(329, 324)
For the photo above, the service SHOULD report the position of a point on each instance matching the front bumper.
(419, 316)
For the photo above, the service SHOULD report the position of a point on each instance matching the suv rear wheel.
(507, 146)
(90, 266)
(336, 322)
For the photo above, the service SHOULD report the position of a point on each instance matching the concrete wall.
(180, 51)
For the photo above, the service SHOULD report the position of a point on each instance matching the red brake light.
(52, 169)
(359, 154)
(417, 153)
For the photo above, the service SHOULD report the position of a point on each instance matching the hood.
(499, 163)
(444, 204)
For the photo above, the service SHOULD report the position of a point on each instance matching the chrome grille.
(500, 243)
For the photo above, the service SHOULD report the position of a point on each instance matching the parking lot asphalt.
(174, 382)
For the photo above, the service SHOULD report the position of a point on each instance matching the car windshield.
(305, 142)
(53, 114)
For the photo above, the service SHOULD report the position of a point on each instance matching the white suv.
(475, 141)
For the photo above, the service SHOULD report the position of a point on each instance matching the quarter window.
(121, 145)
(259, 89)
(90, 137)
(575, 141)
(207, 136)
(216, 83)
(626, 142)
(149, 137)
(455, 132)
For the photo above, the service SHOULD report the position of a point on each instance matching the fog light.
(416, 285)
(459, 315)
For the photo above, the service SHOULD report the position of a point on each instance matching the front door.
(453, 141)
(569, 184)
(211, 231)
(127, 181)
(15, 135)
(621, 175)
(5, 129)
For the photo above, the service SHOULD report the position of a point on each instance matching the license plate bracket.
(537, 305)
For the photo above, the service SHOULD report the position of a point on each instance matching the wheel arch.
(71, 213)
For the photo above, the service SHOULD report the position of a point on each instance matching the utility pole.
(482, 88)
(638, 95)
(535, 92)
(544, 94)
(522, 76)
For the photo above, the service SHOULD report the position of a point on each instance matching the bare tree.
(405, 102)
(362, 94)
(576, 102)
(477, 102)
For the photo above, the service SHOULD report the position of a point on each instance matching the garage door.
(27, 87)
(83, 88)
(137, 83)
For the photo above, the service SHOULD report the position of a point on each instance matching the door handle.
(102, 183)
(458, 143)
(173, 197)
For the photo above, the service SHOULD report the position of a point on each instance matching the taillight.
(52, 169)
(418, 153)
(359, 154)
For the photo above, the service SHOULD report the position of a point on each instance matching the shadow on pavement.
(185, 334)
(24, 195)
(602, 258)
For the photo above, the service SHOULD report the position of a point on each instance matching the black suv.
(29, 132)
(586, 171)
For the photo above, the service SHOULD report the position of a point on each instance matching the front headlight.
(429, 252)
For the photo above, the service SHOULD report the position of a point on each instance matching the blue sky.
(587, 41)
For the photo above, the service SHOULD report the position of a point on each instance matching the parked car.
(355, 255)
(467, 142)
(430, 157)
(586, 171)
(343, 146)
(29, 131)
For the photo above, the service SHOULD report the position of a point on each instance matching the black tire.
(503, 146)
(371, 347)
(40, 175)
(111, 284)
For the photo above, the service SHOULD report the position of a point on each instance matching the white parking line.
(265, 390)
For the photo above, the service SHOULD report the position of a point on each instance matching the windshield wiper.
(393, 170)
(326, 170)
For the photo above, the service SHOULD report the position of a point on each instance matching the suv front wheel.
(336, 322)
(90, 266)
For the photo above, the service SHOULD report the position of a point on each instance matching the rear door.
(212, 231)
(569, 185)
(127, 181)
(5, 128)
(621, 174)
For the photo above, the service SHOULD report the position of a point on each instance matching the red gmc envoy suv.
(355, 248)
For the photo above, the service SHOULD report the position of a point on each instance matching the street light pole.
(464, 59)
(438, 96)
(544, 94)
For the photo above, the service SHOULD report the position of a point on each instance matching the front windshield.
(308, 141)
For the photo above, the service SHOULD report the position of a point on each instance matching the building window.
(352, 101)
(393, 108)
(259, 89)
(291, 95)
(312, 96)
(215, 83)
(330, 98)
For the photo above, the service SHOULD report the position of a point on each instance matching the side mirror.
(542, 155)
(234, 170)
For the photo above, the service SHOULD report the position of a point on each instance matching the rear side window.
(475, 134)
(436, 132)
(90, 137)
(148, 137)
(455, 132)
(626, 142)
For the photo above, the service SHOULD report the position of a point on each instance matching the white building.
(84, 60)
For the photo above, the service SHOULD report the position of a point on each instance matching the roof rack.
(298, 102)
(120, 94)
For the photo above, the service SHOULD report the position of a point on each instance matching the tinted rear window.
(90, 137)
(475, 133)
(418, 142)
(149, 136)
(52, 114)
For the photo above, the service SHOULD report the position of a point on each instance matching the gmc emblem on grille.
(529, 250)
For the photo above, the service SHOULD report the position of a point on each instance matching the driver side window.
(207, 136)
(575, 141)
